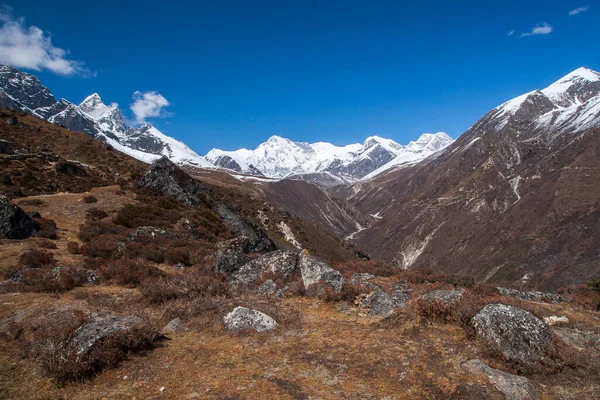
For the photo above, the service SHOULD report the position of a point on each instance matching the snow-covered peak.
(387, 144)
(430, 142)
(94, 107)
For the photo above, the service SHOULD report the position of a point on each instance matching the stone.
(517, 334)
(14, 222)
(280, 263)
(70, 168)
(258, 241)
(362, 279)
(102, 325)
(6, 147)
(150, 233)
(513, 387)
(229, 256)
(445, 296)
(556, 320)
(166, 178)
(11, 120)
(175, 325)
(578, 339)
(378, 303)
(540, 297)
(242, 318)
(315, 271)
(267, 288)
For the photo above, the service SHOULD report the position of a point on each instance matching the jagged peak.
(580, 73)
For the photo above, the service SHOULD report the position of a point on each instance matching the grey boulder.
(517, 334)
(14, 222)
(445, 296)
(378, 303)
(279, 263)
(512, 386)
(242, 318)
(317, 272)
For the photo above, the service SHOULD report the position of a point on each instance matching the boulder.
(102, 325)
(378, 303)
(6, 147)
(362, 279)
(175, 325)
(540, 297)
(400, 293)
(149, 234)
(556, 320)
(70, 168)
(166, 178)
(315, 271)
(230, 256)
(246, 318)
(513, 387)
(11, 120)
(14, 222)
(267, 288)
(445, 296)
(578, 339)
(517, 334)
(280, 263)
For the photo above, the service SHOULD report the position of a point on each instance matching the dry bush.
(435, 310)
(31, 202)
(46, 244)
(200, 312)
(154, 253)
(377, 268)
(104, 246)
(63, 364)
(73, 248)
(325, 292)
(46, 280)
(128, 272)
(418, 276)
(583, 296)
(198, 282)
(96, 228)
(36, 258)
(95, 214)
(90, 198)
(47, 228)
(177, 255)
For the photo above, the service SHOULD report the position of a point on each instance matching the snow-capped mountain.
(22, 91)
(280, 157)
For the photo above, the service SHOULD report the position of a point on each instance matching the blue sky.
(236, 72)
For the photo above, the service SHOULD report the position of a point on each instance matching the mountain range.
(276, 158)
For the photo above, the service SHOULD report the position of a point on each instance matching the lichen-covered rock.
(362, 279)
(246, 318)
(166, 178)
(517, 334)
(513, 387)
(175, 325)
(14, 222)
(229, 256)
(445, 296)
(314, 271)
(541, 297)
(378, 303)
(267, 288)
(150, 233)
(400, 293)
(102, 325)
(281, 263)
(578, 339)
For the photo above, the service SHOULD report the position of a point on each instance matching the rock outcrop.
(14, 222)
(445, 296)
(230, 255)
(280, 263)
(87, 336)
(378, 303)
(246, 318)
(317, 272)
(513, 387)
(517, 334)
(578, 339)
(541, 297)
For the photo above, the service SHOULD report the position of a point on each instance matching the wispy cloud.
(540, 29)
(510, 33)
(579, 10)
(32, 48)
(147, 105)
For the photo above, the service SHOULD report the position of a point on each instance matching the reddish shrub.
(95, 214)
(47, 228)
(89, 199)
(434, 310)
(46, 244)
(128, 272)
(104, 246)
(73, 248)
(37, 258)
(177, 255)
(96, 228)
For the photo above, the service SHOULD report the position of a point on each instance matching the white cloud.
(147, 105)
(510, 33)
(540, 29)
(579, 10)
(32, 48)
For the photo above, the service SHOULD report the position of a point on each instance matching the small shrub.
(47, 228)
(89, 199)
(104, 246)
(46, 244)
(177, 255)
(128, 272)
(96, 228)
(37, 259)
(95, 214)
(434, 310)
(73, 248)
(31, 202)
